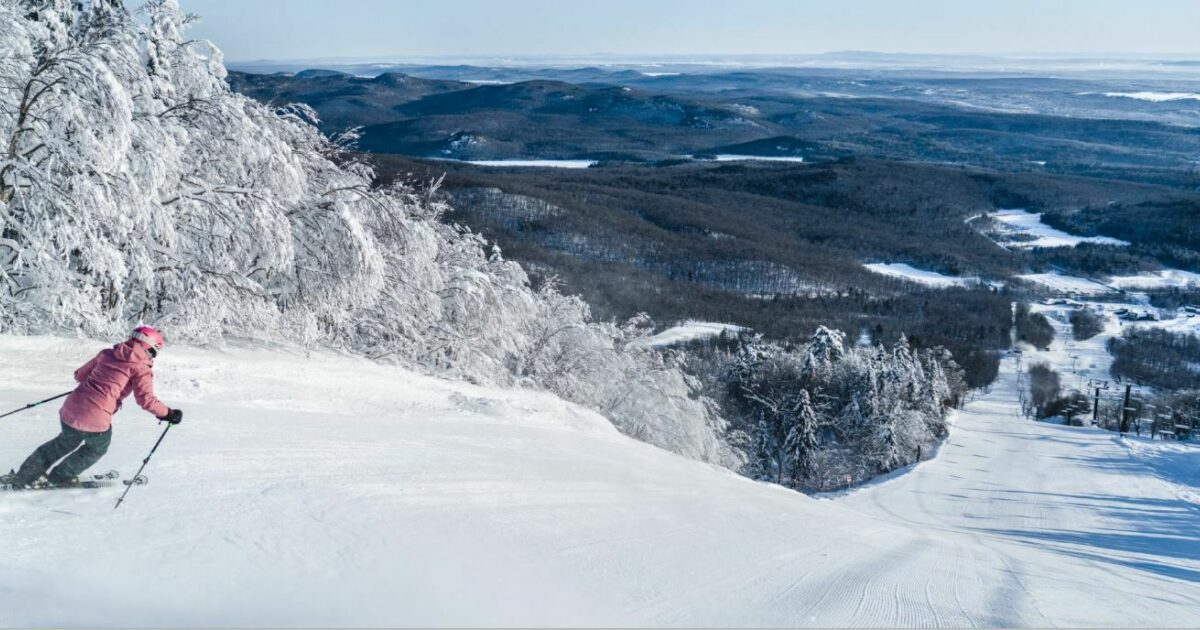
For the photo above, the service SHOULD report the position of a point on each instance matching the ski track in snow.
(326, 490)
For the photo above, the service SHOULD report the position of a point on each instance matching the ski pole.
(144, 462)
(32, 405)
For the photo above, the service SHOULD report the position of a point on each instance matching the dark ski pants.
(77, 449)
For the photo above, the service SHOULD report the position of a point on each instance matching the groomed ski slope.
(325, 490)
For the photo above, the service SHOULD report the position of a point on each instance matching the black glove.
(173, 416)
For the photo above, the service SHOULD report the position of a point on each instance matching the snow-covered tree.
(136, 187)
(822, 415)
(801, 444)
(825, 348)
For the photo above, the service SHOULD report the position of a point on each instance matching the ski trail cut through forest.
(372, 496)
(1075, 531)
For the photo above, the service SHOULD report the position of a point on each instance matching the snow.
(533, 163)
(1176, 322)
(921, 276)
(1157, 97)
(1067, 284)
(326, 490)
(1164, 279)
(1076, 361)
(733, 157)
(1006, 495)
(1172, 462)
(689, 331)
(1034, 233)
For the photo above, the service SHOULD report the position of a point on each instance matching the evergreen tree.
(801, 443)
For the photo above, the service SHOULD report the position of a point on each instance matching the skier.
(86, 416)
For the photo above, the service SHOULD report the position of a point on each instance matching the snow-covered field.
(533, 163)
(1177, 322)
(920, 276)
(1164, 279)
(325, 490)
(732, 157)
(1157, 97)
(1034, 233)
(1067, 284)
(685, 332)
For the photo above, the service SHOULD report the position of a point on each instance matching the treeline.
(1046, 397)
(1091, 260)
(776, 248)
(1175, 297)
(1166, 230)
(1085, 323)
(820, 415)
(1033, 328)
(1156, 357)
(1156, 414)
(1170, 411)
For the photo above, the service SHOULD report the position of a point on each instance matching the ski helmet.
(147, 335)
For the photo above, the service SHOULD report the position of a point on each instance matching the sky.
(323, 29)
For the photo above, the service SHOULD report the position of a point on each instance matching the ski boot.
(11, 482)
(69, 482)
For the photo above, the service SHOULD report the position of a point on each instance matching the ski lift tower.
(1096, 385)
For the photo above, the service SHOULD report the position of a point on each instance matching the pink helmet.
(149, 336)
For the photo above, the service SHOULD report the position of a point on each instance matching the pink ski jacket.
(107, 380)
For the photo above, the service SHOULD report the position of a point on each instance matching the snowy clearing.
(1165, 279)
(1067, 284)
(533, 163)
(733, 157)
(326, 490)
(683, 333)
(1027, 231)
(1157, 97)
(921, 276)
(1076, 361)
(1176, 322)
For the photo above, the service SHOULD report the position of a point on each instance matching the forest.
(1164, 229)
(1158, 358)
(777, 248)
(823, 416)
(615, 114)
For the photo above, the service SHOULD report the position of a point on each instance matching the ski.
(94, 481)
(89, 484)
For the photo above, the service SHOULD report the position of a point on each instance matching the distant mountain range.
(1014, 123)
(538, 118)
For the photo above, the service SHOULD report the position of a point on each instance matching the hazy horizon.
(257, 30)
(683, 57)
